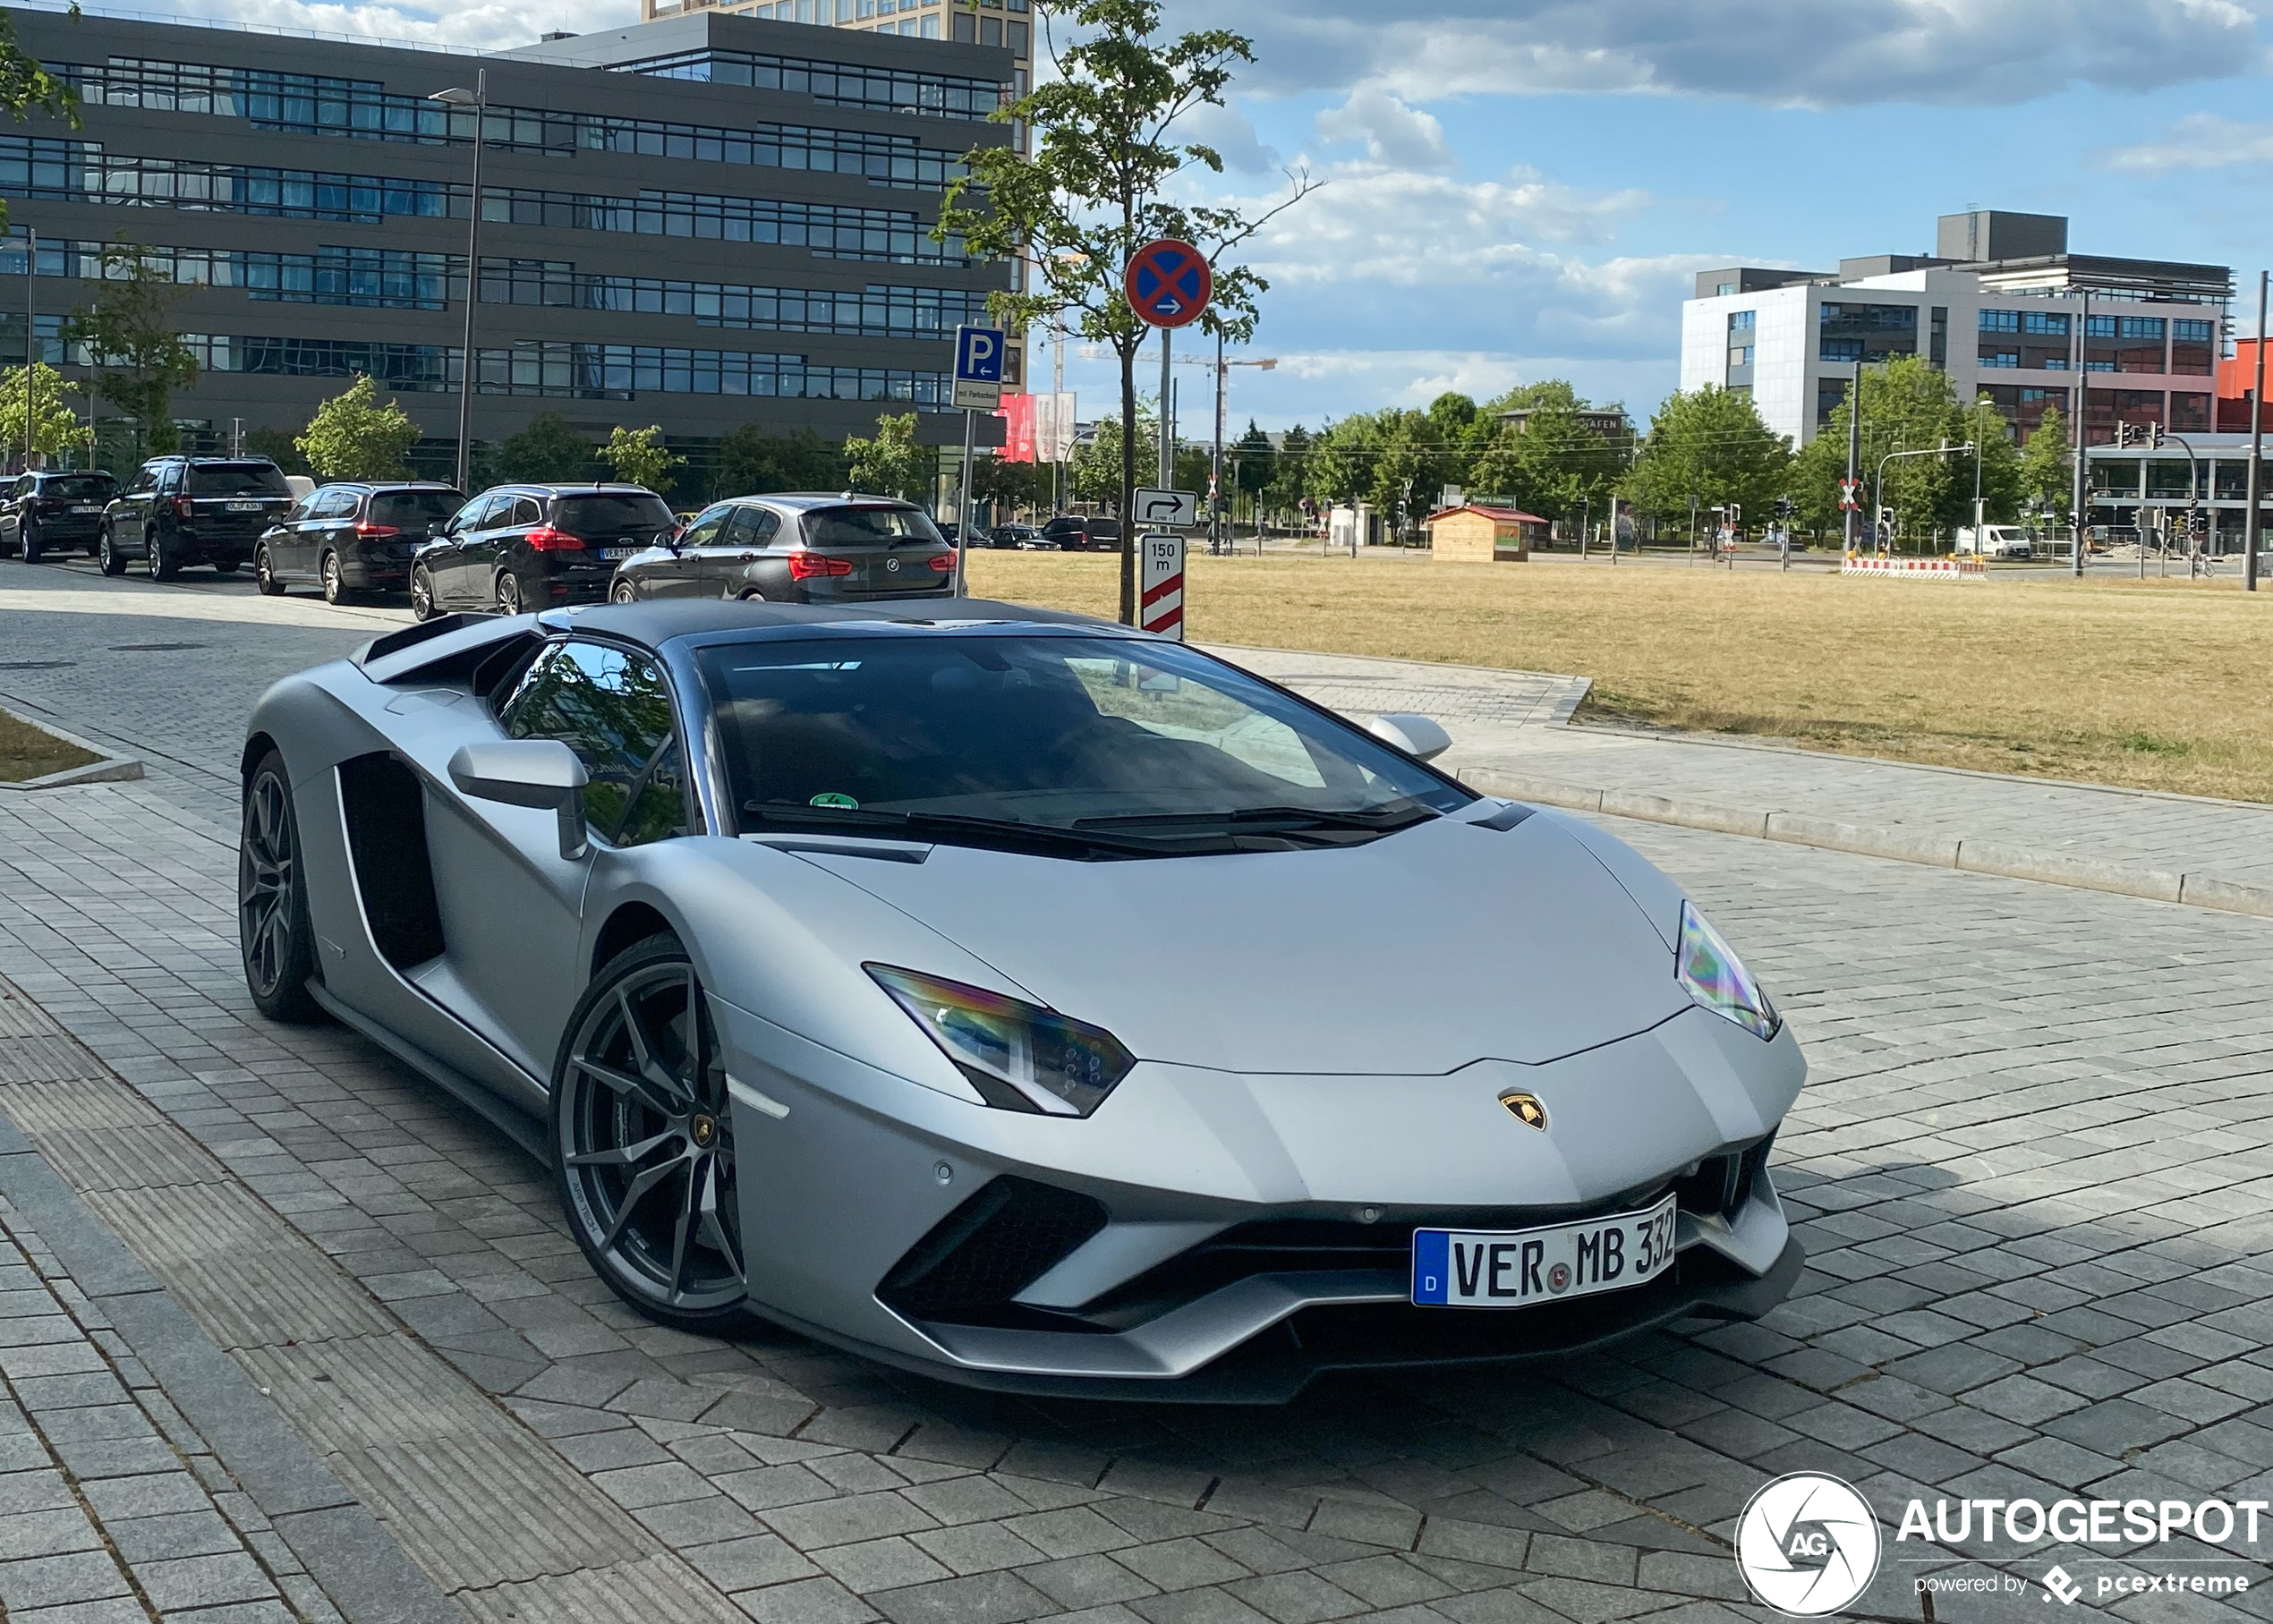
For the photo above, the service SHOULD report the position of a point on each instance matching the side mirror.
(1416, 735)
(527, 772)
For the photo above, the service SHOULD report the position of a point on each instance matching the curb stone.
(1903, 845)
(106, 769)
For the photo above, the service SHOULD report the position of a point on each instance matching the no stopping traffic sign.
(1167, 282)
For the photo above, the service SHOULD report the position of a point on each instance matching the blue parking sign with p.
(978, 355)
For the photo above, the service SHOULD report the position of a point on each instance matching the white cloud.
(1232, 135)
(486, 25)
(1811, 52)
(2201, 140)
(1395, 135)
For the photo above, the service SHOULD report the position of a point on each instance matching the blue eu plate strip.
(1432, 1265)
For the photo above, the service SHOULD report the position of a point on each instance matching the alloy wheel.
(264, 573)
(421, 594)
(644, 1133)
(29, 535)
(508, 594)
(335, 586)
(272, 933)
(625, 592)
(106, 558)
(162, 566)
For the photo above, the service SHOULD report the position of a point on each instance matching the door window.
(614, 710)
(144, 482)
(333, 505)
(705, 530)
(524, 514)
(753, 527)
(474, 515)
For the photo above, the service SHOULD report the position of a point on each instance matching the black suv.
(185, 510)
(356, 536)
(41, 511)
(1076, 534)
(517, 548)
(796, 549)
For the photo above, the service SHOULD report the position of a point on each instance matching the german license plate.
(617, 552)
(1519, 1268)
(79, 510)
(244, 507)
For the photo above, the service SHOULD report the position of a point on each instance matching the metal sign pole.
(962, 504)
(1167, 428)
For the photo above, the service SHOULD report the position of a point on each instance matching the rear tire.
(264, 574)
(29, 537)
(334, 584)
(106, 555)
(508, 592)
(421, 594)
(224, 567)
(643, 1141)
(274, 938)
(164, 565)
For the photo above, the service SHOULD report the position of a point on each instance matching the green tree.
(1290, 470)
(1009, 485)
(639, 457)
(1407, 468)
(1094, 474)
(1084, 191)
(358, 434)
(548, 451)
(2045, 470)
(1553, 465)
(55, 428)
(279, 446)
(892, 464)
(1342, 461)
(1708, 444)
(1546, 392)
(139, 355)
(751, 462)
(1249, 460)
(1907, 405)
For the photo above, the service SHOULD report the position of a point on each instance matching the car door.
(12, 512)
(131, 513)
(734, 565)
(446, 564)
(294, 554)
(511, 904)
(690, 573)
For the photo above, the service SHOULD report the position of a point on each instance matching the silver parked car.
(1017, 999)
(794, 549)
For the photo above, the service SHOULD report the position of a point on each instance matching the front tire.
(422, 593)
(274, 936)
(623, 591)
(29, 535)
(643, 1140)
(164, 564)
(264, 574)
(106, 555)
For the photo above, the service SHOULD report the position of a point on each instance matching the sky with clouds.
(1522, 189)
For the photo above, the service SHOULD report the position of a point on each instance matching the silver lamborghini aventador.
(1017, 999)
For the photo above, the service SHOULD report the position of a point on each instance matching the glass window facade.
(872, 313)
(309, 104)
(837, 84)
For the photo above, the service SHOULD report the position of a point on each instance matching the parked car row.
(512, 548)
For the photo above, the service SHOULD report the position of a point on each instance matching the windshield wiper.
(954, 829)
(1380, 819)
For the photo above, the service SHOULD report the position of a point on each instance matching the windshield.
(608, 514)
(237, 480)
(1140, 749)
(867, 526)
(413, 509)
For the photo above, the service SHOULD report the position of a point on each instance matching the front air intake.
(995, 1245)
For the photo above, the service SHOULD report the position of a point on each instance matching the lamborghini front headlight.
(1717, 979)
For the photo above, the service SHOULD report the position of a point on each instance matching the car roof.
(653, 623)
(386, 485)
(804, 499)
(576, 488)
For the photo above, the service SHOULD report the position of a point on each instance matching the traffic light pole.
(2077, 512)
(1855, 459)
(2252, 525)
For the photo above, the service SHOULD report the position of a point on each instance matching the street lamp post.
(477, 99)
(2078, 527)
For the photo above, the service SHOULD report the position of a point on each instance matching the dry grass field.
(26, 752)
(2157, 684)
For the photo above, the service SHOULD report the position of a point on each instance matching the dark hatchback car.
(1076, 534)
(353, 537)
(187, 510)
(518, 548)
(796, 549)
(42, 512)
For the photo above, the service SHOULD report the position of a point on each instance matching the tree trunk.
(1128, 479)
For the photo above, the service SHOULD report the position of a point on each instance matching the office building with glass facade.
(701, 222)
(2003, 308)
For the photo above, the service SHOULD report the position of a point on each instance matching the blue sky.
(1520, 188)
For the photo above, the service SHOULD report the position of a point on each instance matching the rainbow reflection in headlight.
(1018, 1055)
(1717, 979)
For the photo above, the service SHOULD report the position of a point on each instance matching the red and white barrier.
(1916, 569)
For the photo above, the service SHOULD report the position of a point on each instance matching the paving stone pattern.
(2030, 1170)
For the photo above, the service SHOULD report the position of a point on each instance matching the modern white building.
(2001, 306)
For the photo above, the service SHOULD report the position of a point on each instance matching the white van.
(1995, 542)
